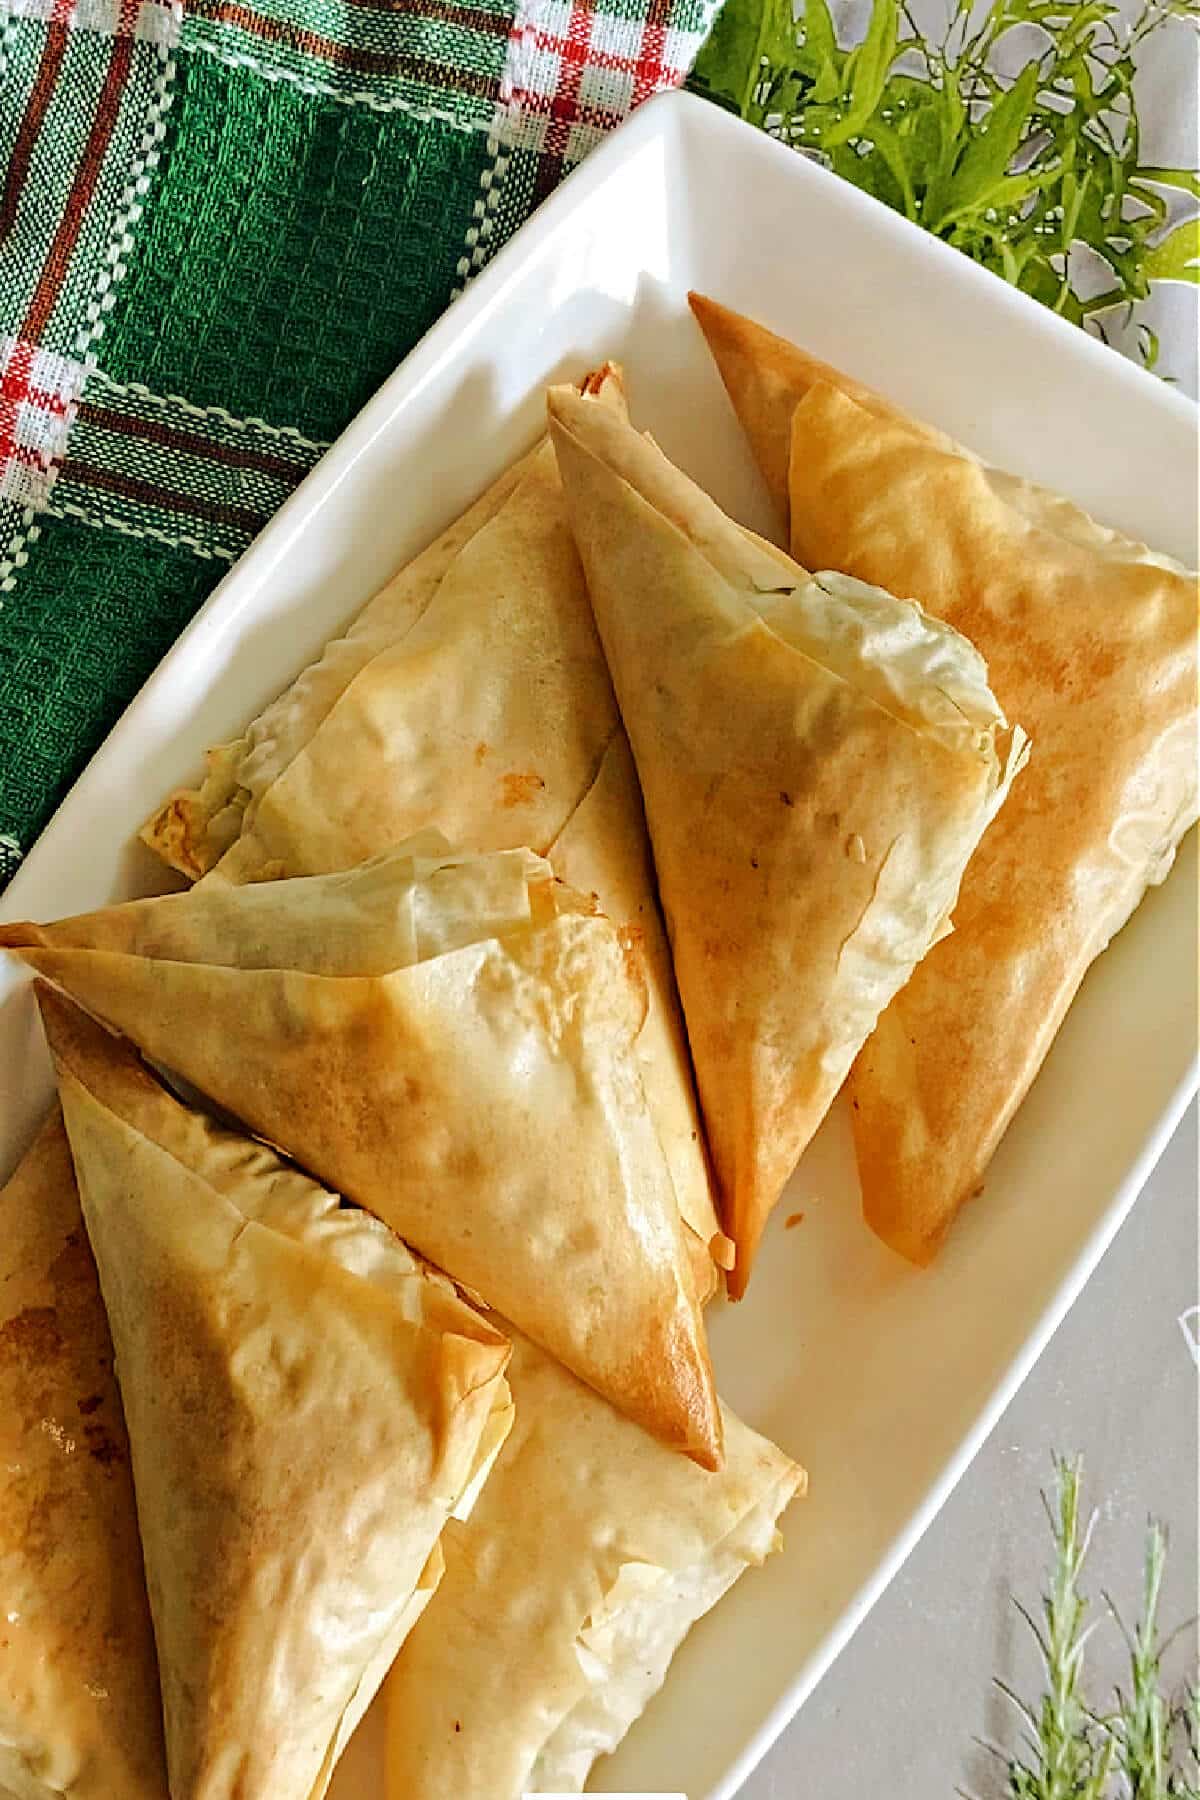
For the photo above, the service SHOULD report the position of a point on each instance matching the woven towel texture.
(221, 227)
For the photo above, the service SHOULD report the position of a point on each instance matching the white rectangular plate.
(884, 1381)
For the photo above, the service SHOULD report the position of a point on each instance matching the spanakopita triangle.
(307, 1405)
(80, 1712)
(449, 1041)
(818, 762)
(590, 1555)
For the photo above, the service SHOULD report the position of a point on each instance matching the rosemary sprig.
(1038, 174)
(1144, 1748)
(1141, 1723)
(1065, 1757)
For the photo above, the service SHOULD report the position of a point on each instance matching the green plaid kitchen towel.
(222, 224)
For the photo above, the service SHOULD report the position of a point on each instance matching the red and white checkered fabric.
(38, 394)
(575, 69)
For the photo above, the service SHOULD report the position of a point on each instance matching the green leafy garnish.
(1144, 1747)
(1015, 136)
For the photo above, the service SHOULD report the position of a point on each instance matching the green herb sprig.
(1034, 174)
(1143, 1748)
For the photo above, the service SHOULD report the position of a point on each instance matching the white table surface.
(898, 1714)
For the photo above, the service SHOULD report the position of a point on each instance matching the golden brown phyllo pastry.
(818, 762)
(307, 1406)
(79, 1703)
(450, 1042)
(470, 695)
(1091, 642)
(591, 1553)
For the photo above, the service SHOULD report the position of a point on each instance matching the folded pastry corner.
(307, 1406)
(765, 376)
(196, 828)
(471, 694)
(818, 762)
(589, 1557)
(80, 1711)
(449, 1041)
(1091, 641)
